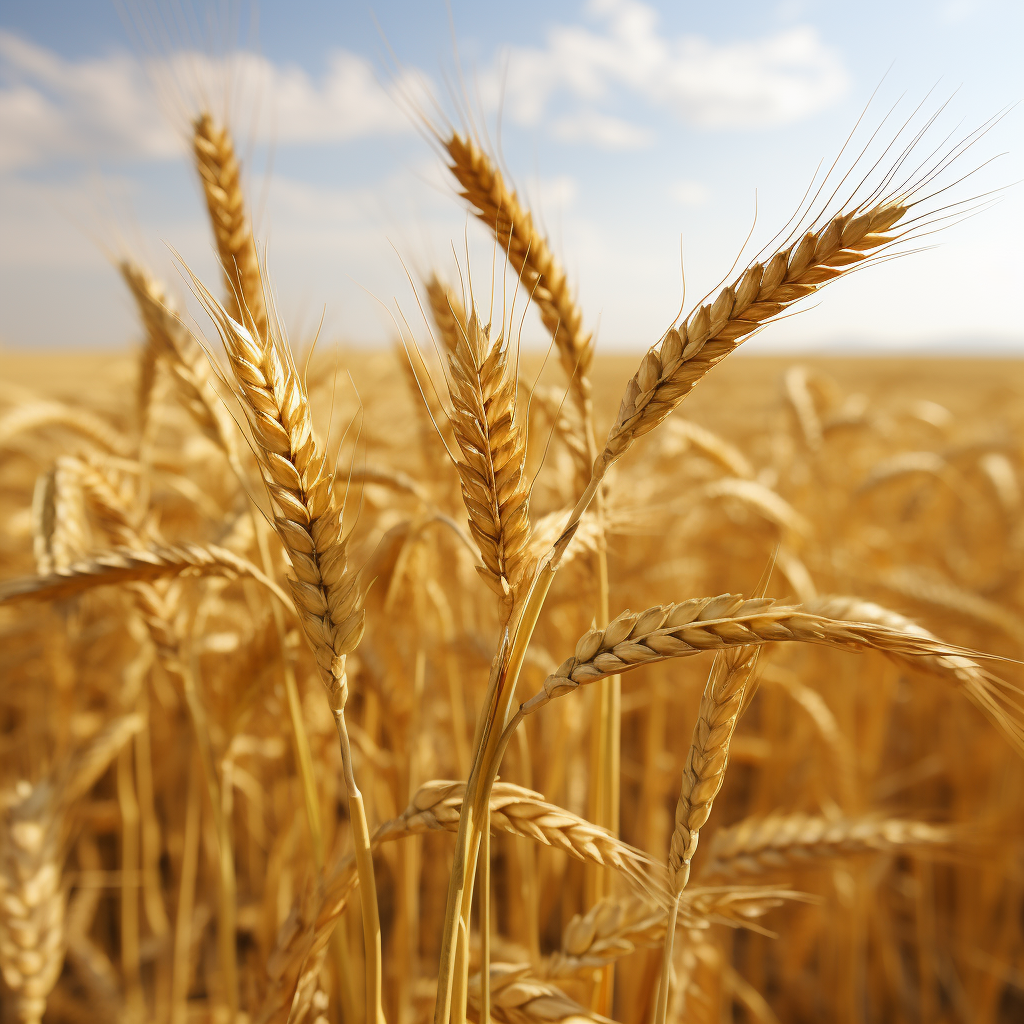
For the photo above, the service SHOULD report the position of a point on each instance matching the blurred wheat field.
(929, 932)
(721, 721)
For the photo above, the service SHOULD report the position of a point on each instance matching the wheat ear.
(517, 997)
(437, 805)
(761, 293)
(173, 343)
(137, 565)
(716, 623)
(447, 311)
(499, 208)
(756, 845)
(708, 757)
(482, 387)
(58, 520)
(34, 827)
(703, 775)
(221, 178)
(615, 927)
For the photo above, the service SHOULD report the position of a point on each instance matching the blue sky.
(636, 129)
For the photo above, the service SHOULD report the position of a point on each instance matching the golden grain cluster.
(483, 697)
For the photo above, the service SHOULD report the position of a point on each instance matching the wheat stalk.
(778, 841)
(220, 176)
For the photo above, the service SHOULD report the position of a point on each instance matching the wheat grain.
(309, 519)
(447, 311)
(33, 835)
(437, 805)
(31, 900)
(59, 535)
(994, 697)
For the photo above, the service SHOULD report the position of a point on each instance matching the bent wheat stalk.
(666, 375)
(39, 414)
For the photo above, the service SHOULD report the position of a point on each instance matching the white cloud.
(756, 83)
(953, 12)
(107, 107)
(689, 193)
(51, 108)
(601, 130)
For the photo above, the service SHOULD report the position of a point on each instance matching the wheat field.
(492, 690)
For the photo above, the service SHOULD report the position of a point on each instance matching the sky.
(649, 139)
